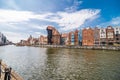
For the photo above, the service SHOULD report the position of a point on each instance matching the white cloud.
(39, 33)
(113, 22)
(74, 7)
(39, 27)
(64, 19)
(76, 19)
(19, 16)
(12, 19)
(13, 36)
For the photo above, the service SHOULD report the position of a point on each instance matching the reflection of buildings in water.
(90, 65)
(61, 62)
(90, 56)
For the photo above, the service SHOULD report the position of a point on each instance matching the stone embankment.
(81, 47)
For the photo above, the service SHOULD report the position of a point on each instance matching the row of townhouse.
(71, 38)
(3, 39)
(33, 41)
(102, 36)
(85, 37)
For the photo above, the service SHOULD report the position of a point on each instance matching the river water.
(35, 63)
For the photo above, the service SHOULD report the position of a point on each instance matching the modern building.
(96, 36)
(80, 37)
(3, 39)
(72, 38)
(103, 36)
(110, 35)
(117, 35)
(53, 36)
(88, 37)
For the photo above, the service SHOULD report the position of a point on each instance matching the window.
(116, 35)
(117, 32)
(117, 38)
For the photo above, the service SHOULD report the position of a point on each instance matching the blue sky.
(21, 18)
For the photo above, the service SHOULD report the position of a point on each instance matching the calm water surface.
(34, 63)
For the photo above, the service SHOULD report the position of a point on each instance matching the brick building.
(110, 38)
(76, 37)
(42, 40)
(88, 37)
(71, 38)
(53, 36)
(64, 37)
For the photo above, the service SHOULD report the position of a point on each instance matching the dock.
(13, 74)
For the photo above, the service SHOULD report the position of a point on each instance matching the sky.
(21, 18)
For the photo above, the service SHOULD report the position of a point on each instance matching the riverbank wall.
(80, 47)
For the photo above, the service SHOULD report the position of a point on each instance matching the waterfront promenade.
(13, 74)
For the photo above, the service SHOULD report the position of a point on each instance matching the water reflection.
(34, 63)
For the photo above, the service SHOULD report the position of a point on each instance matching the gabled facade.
(96, 36)
(110, 35)
(64, 38)
(88, 37)
(41, 40)
(117, 35)
(103, 36)
(76, 37)
(71, 38)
